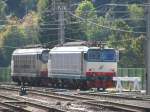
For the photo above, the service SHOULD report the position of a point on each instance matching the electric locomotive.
(82, 66)
(74, 66)
(29, 65)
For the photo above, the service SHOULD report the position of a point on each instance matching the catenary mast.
(59, 8)
(148, 48)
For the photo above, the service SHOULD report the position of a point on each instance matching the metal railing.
(133, 72)
(5, 74)
(122, 72)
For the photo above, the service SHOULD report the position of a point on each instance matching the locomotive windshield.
(105, 55)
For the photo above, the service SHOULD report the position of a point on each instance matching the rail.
(93, 101)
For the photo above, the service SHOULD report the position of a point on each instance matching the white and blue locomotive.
(72, 66)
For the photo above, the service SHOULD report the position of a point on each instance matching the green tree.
(92, 24)
(48, 22)
(15, 35)
(3, 7)
(131, 47)
(120, 39)
(135, 11)
(30, 27)
(20, 8)
(30, 4)
(136, 14)
(123, 41)
(12, 39)
(73, 31)
(87, 13)
(138, 50)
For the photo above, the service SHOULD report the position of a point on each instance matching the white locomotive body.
(71, 66)
(82, 65)
(67, 62)
(29, 65)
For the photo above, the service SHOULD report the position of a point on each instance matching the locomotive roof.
(28, 51)
(77, 43)
(70, 49)
(73, 49)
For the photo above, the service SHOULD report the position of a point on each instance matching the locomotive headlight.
(112, 69)
(90, 69)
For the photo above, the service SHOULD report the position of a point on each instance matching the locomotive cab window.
(85, 56)
(97, 55)
(108, 55)
(44, 56)
(94, 55)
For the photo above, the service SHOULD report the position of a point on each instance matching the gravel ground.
(71, 106)
(60, 104)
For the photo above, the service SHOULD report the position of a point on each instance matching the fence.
(131, 72)
(5, 74)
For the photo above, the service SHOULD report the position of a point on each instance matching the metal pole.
(62, 25)
(58, 7)
(148, 49)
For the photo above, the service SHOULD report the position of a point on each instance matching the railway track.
(85, 99)
(111, 104)
(15, 104)
(91, 96)
(118, 96)
(70, 104)
(21, 104)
